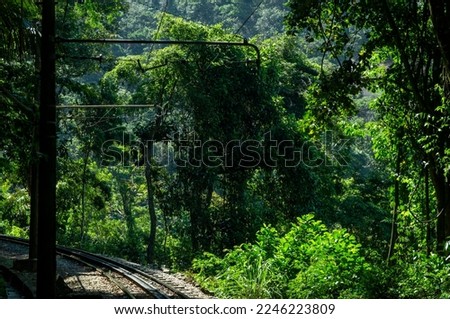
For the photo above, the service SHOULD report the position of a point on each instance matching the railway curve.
(129, 280)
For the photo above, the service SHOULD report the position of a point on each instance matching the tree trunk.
(126, 195)
(394, 228)
(201, 226)
(195, 224)
(440, 15)
(239, 224)
(151, 204)
(127, 209)
(428, 211)
(442, 190)
(209, 231)
(83, 198)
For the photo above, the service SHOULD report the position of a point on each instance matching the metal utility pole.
(46, 263)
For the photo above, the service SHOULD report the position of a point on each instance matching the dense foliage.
(319, 171)
(307, 262)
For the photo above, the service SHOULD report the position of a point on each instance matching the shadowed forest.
(308, 157)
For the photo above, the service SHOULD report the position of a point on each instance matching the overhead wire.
(103, 118)
(159, 26)
(248, 18)
(158, 30)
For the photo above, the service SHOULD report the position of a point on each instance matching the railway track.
(154, 285)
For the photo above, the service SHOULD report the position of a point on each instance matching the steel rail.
(129, 272)
(78, 256)
(147, 287)
(84, 262)
(137, 271)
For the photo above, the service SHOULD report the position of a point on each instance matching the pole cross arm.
(244, 43)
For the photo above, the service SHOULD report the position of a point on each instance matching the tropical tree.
(19, 60)
(396, 48)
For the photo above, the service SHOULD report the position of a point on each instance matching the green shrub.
(18, 232)
(334, 268)
(242, 273)
(424, 277)
(307, 262)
